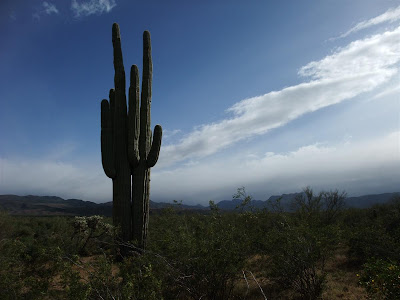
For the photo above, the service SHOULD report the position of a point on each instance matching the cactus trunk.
(140, 203)
(128, 150)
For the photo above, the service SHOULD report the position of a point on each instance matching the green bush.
(27, 270)
(381, 279)
(297, 260)
(299, 243)
(375, 234)
(371, 241)
(205, 254)
(139, 280)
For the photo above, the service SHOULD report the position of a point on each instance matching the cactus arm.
(119, 83)
(119, 78)
(155, 147)
(145, 132)
(133, 118)
(107, 148)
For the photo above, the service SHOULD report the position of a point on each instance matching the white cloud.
(388, 91)
(360, 67)
(360, 167)
(370, 166)
(167, 134)
(49, 8)
(389, 16)
(87, 8)
(51, 177)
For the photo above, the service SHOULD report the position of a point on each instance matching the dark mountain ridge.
(286, 200)
(53, 205)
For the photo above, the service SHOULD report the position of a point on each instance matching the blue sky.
(272, 95)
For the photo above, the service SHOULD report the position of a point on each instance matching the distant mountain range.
(286, 199)
(52, 205)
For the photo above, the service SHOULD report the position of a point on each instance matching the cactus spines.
(128, 149)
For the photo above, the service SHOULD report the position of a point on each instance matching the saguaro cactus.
(126, 143)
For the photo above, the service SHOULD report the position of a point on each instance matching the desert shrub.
(27, 270)
(206, 254)
(333, 204)
(34, 253)
(101, 277)
(6, 226)
(299, 243)
(10, 268)
(192, 256)
(381, 279)
(188, 256)
(297, 260)
(88, 279)
(139, 279)
(377, 233)
(322, 209)
(307, 207)
(73, 286)
(91, 234)
(371, 241)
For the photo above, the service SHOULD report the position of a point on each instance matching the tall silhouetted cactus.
(126, 146)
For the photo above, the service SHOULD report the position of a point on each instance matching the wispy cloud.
(87, 8)
(170, 136)
(360, 67)
(170, 133)
(387, 92)
(389, 16)
(49, 8)
(46, 9)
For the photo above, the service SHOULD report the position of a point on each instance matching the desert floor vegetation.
(319, 250)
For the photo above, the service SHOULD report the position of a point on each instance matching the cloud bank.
(370, 166)
(360, 67)
(362, 167)
(51, 177)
